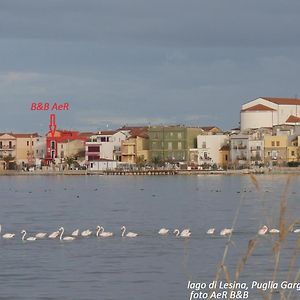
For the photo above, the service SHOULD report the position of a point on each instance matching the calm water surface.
(149, 267)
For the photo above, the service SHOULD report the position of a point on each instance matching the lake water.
(150, 266)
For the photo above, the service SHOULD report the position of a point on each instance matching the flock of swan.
(101, 233)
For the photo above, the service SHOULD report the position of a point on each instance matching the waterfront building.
(135, 149)
(275, 151)
(62, 136)
(105, 145)
(208, 148)
(7, 150)
(269, 112)
(20, 150)
(239, 150)
(102, 165)
(211, 130)
(172, 143)
(224, 156)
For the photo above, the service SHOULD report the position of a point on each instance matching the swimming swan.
(210, 231)
(263, 230)
(31, 238)
(163, 231)
(7, 235)
(226, 231)
(129, 234)
(66, 238)
(100, 232)
(54, 235)
(41, 235)
(183, 233)
(86, 233)
(75, 233)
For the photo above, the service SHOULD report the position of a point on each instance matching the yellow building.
(7, 149)
(135, 149)
(275, 152)
(74, 149)
(224, 156)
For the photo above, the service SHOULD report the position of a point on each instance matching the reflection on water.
(150, 266)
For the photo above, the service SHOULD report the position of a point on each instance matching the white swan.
(163, 231)
(226, 231)
(66, 238)
(210, 231)
(54, 235)
(100, 232)
(263, 230)
(176, 232)
(129, 234)
(296, 230)
(31, 238)
(41, 235)
(75, 233)
(7, 235)
(274, 230)
(183, 233)
(86, 233)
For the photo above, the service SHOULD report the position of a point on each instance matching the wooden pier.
(146, 172)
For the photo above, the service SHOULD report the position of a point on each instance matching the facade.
(52, 149)
(275, 149)
(172, 143)
(239, 149)
(21, 149)
(102, 165)
(269, 112)
(209, 148)
(8, 144)
(224, 156)
(74, 148)
(105, 145)
(135, 149)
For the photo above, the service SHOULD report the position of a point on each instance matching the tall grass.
(277, 244)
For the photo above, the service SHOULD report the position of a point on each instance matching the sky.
(141, 62)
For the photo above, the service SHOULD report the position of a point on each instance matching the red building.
(62, 136)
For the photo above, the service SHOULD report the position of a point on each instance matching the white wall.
(101, 165)
(212, 147)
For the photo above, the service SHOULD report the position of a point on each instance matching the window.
(62, 154)
(37, 151)
(103, 139)
(273, 144)
(169, 145)
(277, 143)
(62, 146)
(9, 144)
(226, 157)
(293, 153)
(52, 144)
(0, 145)
(179, 135)
(179, 145)
(171, 134)
(31, 143)
(93, 149)
(204, 145)
(27, 143)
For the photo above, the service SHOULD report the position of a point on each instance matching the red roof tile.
(258, 107)
(293, 119)
(284, 101)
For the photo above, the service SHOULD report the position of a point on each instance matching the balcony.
(7, 147)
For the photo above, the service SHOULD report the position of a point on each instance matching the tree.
(70, 161)
(7, 160)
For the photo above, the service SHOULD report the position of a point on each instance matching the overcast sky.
(144, 62)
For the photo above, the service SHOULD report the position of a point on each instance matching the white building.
(105, 145)
(208, 147)
(239, 149)
(268, 112)
(102, 165)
